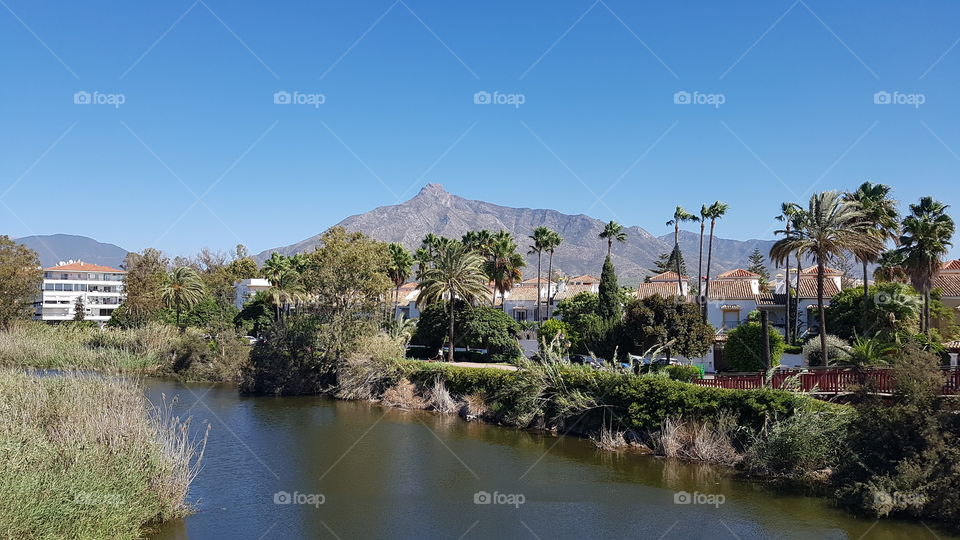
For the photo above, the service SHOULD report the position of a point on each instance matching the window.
(731, 319)
(520, 315)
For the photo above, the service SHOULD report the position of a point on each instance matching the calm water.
(383, 473)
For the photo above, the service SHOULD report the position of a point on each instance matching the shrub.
(793, 349)
(838, 350)
(685, 373)
(744, 348)
(551, 329)
(797, 445)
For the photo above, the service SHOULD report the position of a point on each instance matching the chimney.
(781, 284)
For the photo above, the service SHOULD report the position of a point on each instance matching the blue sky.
(598, 131)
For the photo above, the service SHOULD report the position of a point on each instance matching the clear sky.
(199, 154)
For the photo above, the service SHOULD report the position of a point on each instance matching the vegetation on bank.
(88, 457)
(152, 349)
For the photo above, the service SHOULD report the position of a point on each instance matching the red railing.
(822, 380)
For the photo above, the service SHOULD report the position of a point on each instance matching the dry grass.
(711, 441)
(89, 457)
(610, 439)
(474, 406)
(440, 399)
(403, 395)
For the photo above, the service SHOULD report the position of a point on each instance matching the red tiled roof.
(662, 288)
(585, 277)
(667, 276)
(571, 290)
(953, 265)
(827, 271)
(81, 266)
(808, 288)
(949, 284)
(738, 273)
(731, 290)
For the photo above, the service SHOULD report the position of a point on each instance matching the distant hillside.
(53, 248)
(434, 210)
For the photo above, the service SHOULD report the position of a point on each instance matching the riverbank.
(88, 457)
(154, 349)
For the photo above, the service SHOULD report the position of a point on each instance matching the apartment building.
(100, 287)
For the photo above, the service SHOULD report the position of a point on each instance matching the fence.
(823, 380)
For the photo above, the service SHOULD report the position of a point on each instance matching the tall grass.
(89, 457)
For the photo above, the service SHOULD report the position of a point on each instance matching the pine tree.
(608, 307)
(758, 265)
(667, 262)
(79, 310)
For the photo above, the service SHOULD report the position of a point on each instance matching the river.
(311, 467)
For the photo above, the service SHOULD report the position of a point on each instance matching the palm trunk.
(609, 246)
(822, 313)
(450, 352)
(549, 282)
(796, 306)
(700, 269)
(787, 327)
(676, 248)
(536, 313)
(926, 313)
(713, 222)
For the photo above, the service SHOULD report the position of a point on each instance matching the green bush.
(793, 349)
(685, 373)
(838, 350)
(744, 348)
(798, 445)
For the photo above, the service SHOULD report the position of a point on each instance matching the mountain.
(434, 210)
(53, 248)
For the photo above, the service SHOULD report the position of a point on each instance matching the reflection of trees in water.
(679, 474)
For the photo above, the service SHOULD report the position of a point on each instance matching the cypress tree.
(609, 305)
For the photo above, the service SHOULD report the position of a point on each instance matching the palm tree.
(890, 267)
(788, 212)
(703, 222)
(181, 290)
(456, 274)
(679, 215)
(285, 288)
(715, 211)
(275, 265)
(541, 239)
(830, 227)
(926, 238)
(479, 241)
(613, 231)
(880, 213)
(398, 269)
(504, 265)
(553, 242)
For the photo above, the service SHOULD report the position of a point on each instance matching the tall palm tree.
(182, 289)
(788, 212)
(703, 223)
(456, 274)
(553, 242)
(925, 240)
(679, 216)
(285, 288)
(275, 265)
(504, 265)
(541, 238)
(714, 212)
(398, 269)
(880, 213)
(831, 226)
(612, 231)
(480, 241)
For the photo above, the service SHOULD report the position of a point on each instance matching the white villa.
(100, 288)
(245, 289)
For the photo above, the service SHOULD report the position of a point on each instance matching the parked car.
(584, 360)
(250, 339)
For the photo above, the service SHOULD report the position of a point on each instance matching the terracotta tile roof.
(584, 278)
(952, 346)
(949, 284)
(81, 266)
(525, 294)
(827, 271)
(571, 290)
(951, 266)
(738, 273)
(667, 276)
(808, 288)
(771, 299)
(662, 288)
(731, 290)
(532, 282)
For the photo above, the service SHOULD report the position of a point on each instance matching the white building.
(100, 288)
(245, 289)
